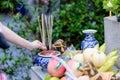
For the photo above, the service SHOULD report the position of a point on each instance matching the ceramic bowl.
(43, 60)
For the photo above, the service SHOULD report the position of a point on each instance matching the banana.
(96, 46)
(110, 69)
(109, 63)
(103, 47)
(115, 71)
(111, 54)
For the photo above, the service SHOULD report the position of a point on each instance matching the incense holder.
(43, 60)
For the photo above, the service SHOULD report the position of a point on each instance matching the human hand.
(37, 44)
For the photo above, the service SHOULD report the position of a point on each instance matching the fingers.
(40, 45)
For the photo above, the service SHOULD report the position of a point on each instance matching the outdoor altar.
(61, 62)
(76, 64)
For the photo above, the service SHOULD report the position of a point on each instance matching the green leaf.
(11, 5)
(3, 59)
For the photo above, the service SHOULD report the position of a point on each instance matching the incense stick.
(43, 30)
(49, 24)
(40, 26)
(51, 31)
(46, 29)
(49, 34)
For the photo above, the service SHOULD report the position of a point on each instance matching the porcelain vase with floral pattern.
(89, 40)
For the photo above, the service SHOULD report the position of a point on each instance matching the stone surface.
(36, 73)
(112, 34)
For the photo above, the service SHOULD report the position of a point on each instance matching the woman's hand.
(16, 39)
(36, 44)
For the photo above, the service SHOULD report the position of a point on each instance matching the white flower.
(109, 4)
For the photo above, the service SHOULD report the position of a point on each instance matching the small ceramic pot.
(43, 60)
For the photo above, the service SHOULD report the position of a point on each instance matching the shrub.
(75, 16)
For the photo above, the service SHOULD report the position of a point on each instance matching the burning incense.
(43, 30)
(49, 26)
(46, 29)
(40, 27)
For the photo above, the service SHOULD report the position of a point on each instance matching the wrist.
(29, 46)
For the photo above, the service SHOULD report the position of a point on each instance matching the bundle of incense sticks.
(46, 29)
(49, 27)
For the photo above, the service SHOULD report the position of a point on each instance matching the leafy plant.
(75, 16)
(112, 5)
(9, 6)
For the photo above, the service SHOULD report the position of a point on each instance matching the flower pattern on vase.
(89, 41)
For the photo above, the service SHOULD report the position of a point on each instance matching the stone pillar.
(112, 34)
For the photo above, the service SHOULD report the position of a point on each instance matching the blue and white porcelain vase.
(89, 41)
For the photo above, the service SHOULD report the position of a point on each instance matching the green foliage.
(76, 16)
(113, 5)
(8, 6)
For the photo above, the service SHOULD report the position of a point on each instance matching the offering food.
(90, 70)
(91, 64)
(59, 45)
(110, 61)
(79, 58)
(64, 78)
(74, 66)
(55, 68)
(54, 78)
(94, 55)
(84, 78)
(47, 77)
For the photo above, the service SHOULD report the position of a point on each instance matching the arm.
(16, 39)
